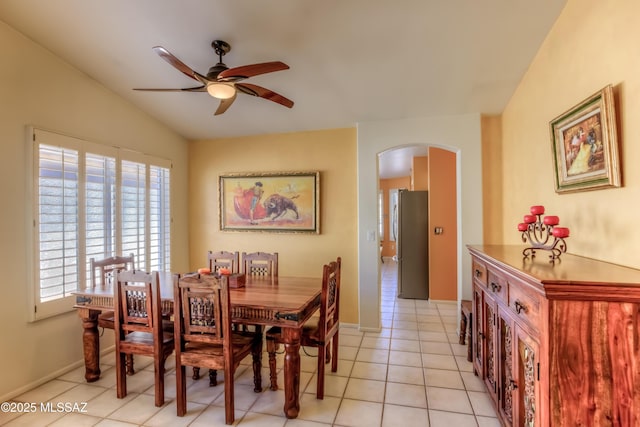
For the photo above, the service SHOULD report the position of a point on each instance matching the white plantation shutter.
(58, 222)
(160, 221)
(100, 208)
(92, 201)
(134, 211)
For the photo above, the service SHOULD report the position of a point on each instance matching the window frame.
(39, 309)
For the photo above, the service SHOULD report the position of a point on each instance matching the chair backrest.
(103, 271)
(224, 259)
(137, 304)
(330, 299)
(260, 264)
(202, 310)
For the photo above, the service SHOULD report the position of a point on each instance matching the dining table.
(284, 301)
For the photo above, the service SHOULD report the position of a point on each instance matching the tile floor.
(413, 372)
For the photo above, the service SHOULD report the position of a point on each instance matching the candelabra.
(539, 232)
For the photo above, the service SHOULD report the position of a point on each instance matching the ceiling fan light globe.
(221, 90)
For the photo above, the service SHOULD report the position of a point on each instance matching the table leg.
(291, 338)
(90, 344)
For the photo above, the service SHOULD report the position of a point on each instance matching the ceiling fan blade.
(186, 89)
(224, 105)
(254, 90)
(246, 71)
(181, 66)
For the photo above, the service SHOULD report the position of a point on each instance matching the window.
(92, 201)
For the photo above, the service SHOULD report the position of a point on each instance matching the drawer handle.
(520, 307)
(478, 273)
(495, 287)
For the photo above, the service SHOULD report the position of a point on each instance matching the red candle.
(522, 227)
(529, 219)
(551, 220)
(537, 210)
(560, 232)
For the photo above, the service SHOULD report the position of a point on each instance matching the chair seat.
(309, 335)
(146, 338)
(106, 319)
(240, 344)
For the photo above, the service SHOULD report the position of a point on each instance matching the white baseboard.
(49, 377)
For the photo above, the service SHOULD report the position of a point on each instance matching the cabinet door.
(478, 331)
(527, 371)
(490, 338)
(507, 387)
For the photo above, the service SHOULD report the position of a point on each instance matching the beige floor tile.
(406, 395)
(372, 355)
(405, 375)
(323, 411)
(405, 358)
(397, 416)
(137, 410)
(439, 361)
(375, 342)
(76, 420)
(356, 413)
(405, 345)
(443, 378)
(447, 399)
(436, 347)
(448, 419)
(369, 371)
(46, 391)
(405, 334)
(472, 382)
(214, 416)
(167, 416)
(488, 422)
(361, 389)
(333, 386)
(481, 403)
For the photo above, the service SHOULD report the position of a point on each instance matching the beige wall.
(593, 44)
(492, 178)
(69, 102)
(332, 152)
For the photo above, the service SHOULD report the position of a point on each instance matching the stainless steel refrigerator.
(413, 244)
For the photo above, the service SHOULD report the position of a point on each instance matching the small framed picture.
(585, 145)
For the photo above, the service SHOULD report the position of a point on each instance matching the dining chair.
(138, 327)
(102, 273)
(219, 259)
(320, 332)
(204, 337)
(224, 259)
(260, 264)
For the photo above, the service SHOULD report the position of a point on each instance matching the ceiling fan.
(222, 82)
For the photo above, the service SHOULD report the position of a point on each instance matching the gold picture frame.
(585, 145)
(283, 202)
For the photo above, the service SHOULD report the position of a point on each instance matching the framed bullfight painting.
(286, 202)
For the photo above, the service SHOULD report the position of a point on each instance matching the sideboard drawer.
(479, 271)
(525, 303)
(497, 285)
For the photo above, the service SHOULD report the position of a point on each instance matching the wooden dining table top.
(282, 295)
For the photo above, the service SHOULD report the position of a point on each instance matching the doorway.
(431, 169)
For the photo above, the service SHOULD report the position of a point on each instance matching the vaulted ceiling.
(350, 60)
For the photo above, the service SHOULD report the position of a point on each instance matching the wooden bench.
(465, 328)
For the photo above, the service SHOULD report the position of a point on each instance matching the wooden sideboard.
(556, 344)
